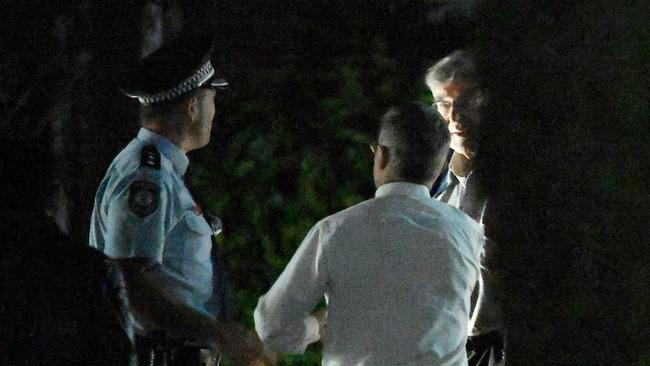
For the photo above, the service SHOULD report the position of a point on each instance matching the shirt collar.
(454, 179)
(172, 152)
(413, 190)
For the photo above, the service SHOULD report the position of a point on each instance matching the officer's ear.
(191, 107)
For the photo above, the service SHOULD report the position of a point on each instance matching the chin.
(204, 142)
(457, 144)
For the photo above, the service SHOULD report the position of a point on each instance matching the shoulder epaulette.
(150, 157)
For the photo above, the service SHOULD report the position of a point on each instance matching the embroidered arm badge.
(144, 197)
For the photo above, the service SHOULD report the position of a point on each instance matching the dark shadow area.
(59, 305)
(566, 131)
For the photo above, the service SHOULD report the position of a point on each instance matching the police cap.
(176, 68)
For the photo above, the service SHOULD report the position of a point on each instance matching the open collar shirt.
(463, 193)
(397, 272)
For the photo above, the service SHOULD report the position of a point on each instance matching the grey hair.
(417, 140)
(458, 64)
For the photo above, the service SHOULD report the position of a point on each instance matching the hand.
(265, 361)
(238, 343)
(321, 316)
(268, 358)
(258, 362)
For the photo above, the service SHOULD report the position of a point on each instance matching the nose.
(456, 115)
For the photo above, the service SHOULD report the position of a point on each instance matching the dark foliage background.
(566, 134)
(564, 144)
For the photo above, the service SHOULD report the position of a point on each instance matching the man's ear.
(383, 156)
(192, 107)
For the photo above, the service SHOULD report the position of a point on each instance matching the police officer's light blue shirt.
(174, 235)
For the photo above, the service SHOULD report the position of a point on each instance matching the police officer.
(146, 220)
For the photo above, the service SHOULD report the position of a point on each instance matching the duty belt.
(157, 350)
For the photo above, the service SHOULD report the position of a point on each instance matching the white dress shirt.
(397, 272)
(463, 193)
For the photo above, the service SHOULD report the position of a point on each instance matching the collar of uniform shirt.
(166, 147)
(413, 190)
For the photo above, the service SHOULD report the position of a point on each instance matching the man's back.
(401, 272)
(397, 272)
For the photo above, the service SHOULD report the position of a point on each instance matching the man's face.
(458, 101)
(380, 151)
(206, 110)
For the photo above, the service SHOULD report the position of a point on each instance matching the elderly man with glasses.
(458, 98)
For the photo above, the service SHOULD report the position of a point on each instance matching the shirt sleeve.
(282, 316)
(136, 219)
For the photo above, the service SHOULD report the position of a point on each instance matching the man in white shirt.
(397, 271)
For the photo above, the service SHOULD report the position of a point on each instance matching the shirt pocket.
(197, 223)
(198, 243)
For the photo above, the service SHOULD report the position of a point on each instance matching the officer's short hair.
(417, 140)
(165, 111)
(458, 65)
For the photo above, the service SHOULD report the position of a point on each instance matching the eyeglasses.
(374, 147)
(470, 103)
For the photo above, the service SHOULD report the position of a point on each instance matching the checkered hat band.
(200, 76)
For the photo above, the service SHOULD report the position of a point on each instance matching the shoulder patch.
(150, 157)
(144, 197)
